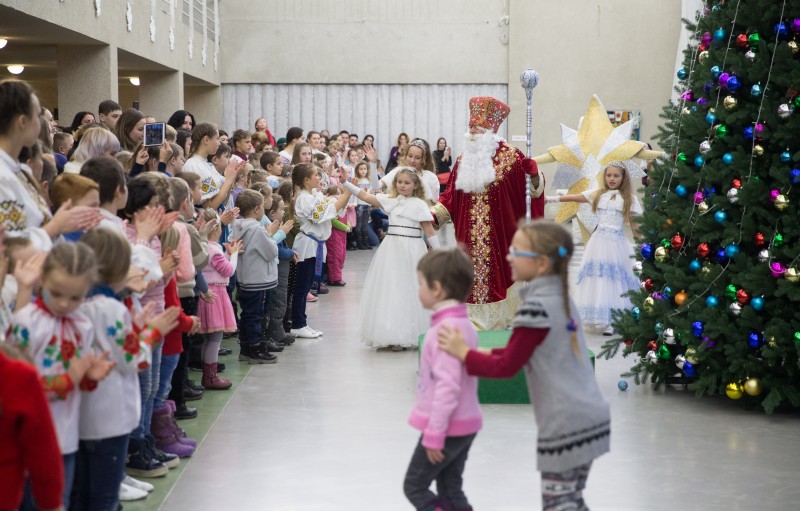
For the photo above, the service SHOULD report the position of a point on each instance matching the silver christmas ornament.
(784, 111)
(705, 147)
(651, 357)
(735, 309)
(733, 195)
(669, 336)
(680, 360)
(750, 56)
(637, 268)
(763, 256)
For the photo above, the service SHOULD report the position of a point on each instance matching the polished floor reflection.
(325, 429)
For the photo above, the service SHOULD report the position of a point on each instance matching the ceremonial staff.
(529, 79)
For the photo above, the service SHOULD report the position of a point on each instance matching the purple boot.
(180, 434)
(161, 428)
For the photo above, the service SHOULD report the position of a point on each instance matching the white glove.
(549, 199)
(350, 187)
(433, 241)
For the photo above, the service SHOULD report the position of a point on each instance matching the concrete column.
(205, 103)
(160, 93)
(87, 75)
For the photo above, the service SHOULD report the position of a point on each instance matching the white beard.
(476, 168)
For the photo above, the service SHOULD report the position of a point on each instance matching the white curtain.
(689, 11)
(429, 111)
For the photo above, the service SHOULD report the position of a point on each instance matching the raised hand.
(233, 247)
(29, 272)
(233, 169)
(148, 222)
(169, 262)
(228, 216)
(273, 227)
(287, 226)
(166, 321)
(141, 318)
(99, 366)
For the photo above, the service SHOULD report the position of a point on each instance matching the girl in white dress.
(417, 155)
(606, 272)
(390, 313)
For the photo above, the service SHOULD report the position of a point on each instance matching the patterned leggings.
(563, 491)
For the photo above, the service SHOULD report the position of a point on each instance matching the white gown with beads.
(390, 313)
(606, 272)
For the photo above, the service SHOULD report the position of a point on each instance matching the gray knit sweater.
(571, 413)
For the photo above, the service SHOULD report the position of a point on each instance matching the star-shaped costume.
(583, 156)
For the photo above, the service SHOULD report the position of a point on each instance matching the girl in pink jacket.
(446, 410)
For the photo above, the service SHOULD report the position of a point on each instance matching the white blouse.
(22, 212)
(211, 181)
(314, 212)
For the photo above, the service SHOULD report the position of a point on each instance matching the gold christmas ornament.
(792, 275)
(648, 304)
(703, 56)
(661, 254)
(691, 355)
(752, 387)
(758, 150)
(793, 46)
(781, 202)
(730, 103)
(772, 342)
(702, 207)
(734, 390)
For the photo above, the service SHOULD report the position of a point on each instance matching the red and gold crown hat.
(487, 112)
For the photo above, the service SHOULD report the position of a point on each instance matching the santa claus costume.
(485, 199)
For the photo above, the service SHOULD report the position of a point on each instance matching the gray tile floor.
(325, 429)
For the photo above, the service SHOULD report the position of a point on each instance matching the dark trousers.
(181, 373)
(276, 307)
(302, 286)
(290, 285)
(363, 216)
(447, 474)
(100, 470)
(251, 322)
(231, 288)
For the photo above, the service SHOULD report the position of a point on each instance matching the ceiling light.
(15, 70)
(134, 80)
(3, 43)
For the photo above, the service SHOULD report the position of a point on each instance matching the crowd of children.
(123, 266)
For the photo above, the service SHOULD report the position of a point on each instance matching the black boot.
(365, 242)
(184, 412)
(257, 355)
(272, 346)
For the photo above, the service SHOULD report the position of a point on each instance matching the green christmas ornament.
(665, 243)
(730, 291)
(722, 132)
(796, 102)
(778, 241)
(753, 40)
(663, 353)
(797, 337)
(682, 157)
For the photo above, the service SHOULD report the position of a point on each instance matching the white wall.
(428, 111)
(363, 41)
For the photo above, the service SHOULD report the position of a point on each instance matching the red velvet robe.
(485, 222)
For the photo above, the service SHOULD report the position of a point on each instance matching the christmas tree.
(719, 242)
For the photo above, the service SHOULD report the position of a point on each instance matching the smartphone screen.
(154, 134)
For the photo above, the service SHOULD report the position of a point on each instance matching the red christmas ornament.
(628, 343)
(652, 345)
(741, 41)
(703, 250)
(759, 239)
(648, 285)
(736, 183)
(702, 47)
(742, 296)
(676, 241)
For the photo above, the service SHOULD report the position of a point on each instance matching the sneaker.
(323, 289)
(288, 340)
(224, 351)
(337, 283)
(139, 485)
(305, 333)
(129, 493)
(140, 465)
(311, 298)
(608, 331)
(318, 332)
(191, 394)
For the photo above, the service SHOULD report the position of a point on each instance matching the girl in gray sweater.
(571, 414)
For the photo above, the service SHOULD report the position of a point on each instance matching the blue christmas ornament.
(781, 30)
(667, 292)
(734, 84)
(681, 191)
(659, 328)
(721, 257)
(757, 303)
(635, 313)
(755, 90)
(720, 216)
(695, 266)
(708, 191)
(647, 250)
(689, 369)
(794, 176)
(622, 385)
(698, 162)
(755, 339)
(715, 72)
(748, 133)
(716, 8)
(727, 159)
(682, 73)
(708, 87)
(711, 118)
(786, 157)
(719, 35)
(712, 301)
(732, 250)
(697, 328)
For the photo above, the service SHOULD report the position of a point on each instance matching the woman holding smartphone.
(443, 160)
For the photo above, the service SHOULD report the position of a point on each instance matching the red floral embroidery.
(67, 350)
(131, 344)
